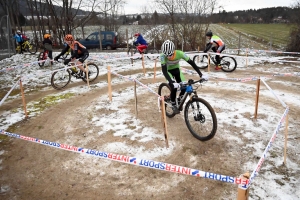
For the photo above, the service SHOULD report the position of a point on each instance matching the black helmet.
(209, 34)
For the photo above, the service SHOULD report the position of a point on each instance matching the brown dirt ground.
(35, 171)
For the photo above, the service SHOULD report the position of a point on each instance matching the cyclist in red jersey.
(78, 51)
(216, 44)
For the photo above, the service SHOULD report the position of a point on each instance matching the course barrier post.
(131, 52)
(87, 76)
(143, 64)
(23, 98)
(154, 70)
(208, 62)
(135, 100)
(242, 193)
(247, 57)
(285, 137)
(109, 83)
(163, 119)
(198, 57)
(257, 97)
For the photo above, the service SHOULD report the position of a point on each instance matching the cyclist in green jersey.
(171, 69)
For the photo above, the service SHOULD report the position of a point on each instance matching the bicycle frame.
(191, 93)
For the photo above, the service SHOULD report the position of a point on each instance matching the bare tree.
(294, 44)
(109, 10)
(11, 8)
(187, 20)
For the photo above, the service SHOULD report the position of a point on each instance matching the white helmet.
(168, 48)
(18, 31)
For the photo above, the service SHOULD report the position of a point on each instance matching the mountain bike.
(44, 55)
(61, 78)
(228, 64)
(148, 50)
(199, 115)
(27, 46)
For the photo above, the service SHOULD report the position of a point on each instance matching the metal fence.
(7, 42)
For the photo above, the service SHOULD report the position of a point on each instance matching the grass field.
(276, 34)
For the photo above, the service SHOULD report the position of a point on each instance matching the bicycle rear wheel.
(201, 61)
(200, 119)
(40, 59)
(61, 79)
(165, 91)
(93, 71)
(153, 51)
(228, 64)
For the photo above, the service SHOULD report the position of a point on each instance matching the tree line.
(185, 21)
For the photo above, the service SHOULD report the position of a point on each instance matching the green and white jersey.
(173, 61)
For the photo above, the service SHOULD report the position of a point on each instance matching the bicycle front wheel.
(40, 59)
(93, 72)
(31, 48)
(164, 90)
(60, 79)
(153, 51)
(134, 52)
(201, 61)
(228, 64)
(200, 119)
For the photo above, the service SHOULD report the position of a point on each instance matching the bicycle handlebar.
(191, 82)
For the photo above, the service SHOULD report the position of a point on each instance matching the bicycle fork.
(198, 116)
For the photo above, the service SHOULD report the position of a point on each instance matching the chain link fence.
(7, 47)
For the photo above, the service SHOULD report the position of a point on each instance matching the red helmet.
(69, 37)
(137, 35)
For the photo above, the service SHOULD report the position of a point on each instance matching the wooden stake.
(131, 56)
(135, 99)
(257, 97)
(208, 63)
(247, 58)
(285, 138)
(23, 98)
(109, 83)
(243, 194)
(143, 64)
(198, 58)
(164, 121)
(87, 75)
(154, 70)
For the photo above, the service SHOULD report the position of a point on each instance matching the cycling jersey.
(173, 61)
(217, 41)
(171, 69)
(77, 49)
(19, 38)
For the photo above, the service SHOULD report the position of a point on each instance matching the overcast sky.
(135, 6)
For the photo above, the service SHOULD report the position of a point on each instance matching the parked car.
(109, 40)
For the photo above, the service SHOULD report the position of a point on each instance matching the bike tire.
(228, 64)
(41, 57)
(203, 126)
(153, 51)
(60, 79)
(93, 68)
(165, 90)
(32, 48)
(134, 53)
(201, 61)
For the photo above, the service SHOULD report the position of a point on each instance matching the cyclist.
(141, 42)
(47, 43)
(78, 51)
(19, 39)
(171, 69)
(216, 44)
